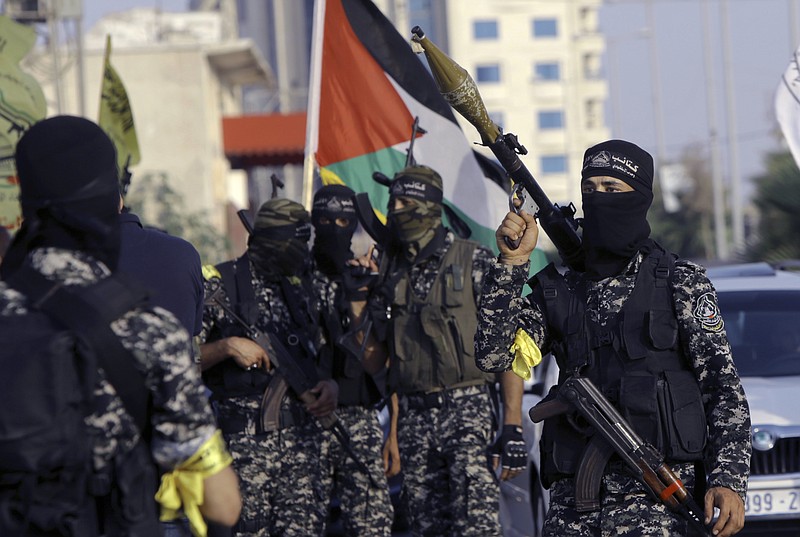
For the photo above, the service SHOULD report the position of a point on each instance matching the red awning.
(264, 140)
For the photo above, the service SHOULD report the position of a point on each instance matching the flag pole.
(313, 107)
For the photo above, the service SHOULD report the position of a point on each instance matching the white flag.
(787, 106)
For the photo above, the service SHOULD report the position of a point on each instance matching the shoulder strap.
(236, 280)
(88, 312)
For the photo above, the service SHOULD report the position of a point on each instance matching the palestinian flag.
(367, 87)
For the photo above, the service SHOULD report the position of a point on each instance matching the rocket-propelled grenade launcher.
(457, 87)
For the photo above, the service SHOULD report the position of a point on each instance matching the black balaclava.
(69, 192)
(417, 226)
(615, 223)
(279, 243)
(331, 248)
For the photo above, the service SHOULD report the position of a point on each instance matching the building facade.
(183, 74)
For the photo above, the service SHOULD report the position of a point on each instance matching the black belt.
(289, 417)
(442, 398)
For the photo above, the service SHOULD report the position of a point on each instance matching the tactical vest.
(356, 386)
(636, 360)
(227, 379)
(432, 339)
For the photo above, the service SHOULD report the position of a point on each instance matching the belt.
(289, 417)
(442, 398)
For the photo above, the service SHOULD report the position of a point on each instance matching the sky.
(760, 44)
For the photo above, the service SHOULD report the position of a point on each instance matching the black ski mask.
(615, 223)
(331, 250)
(69, 191)
(279, 243)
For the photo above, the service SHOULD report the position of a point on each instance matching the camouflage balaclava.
(331, 248)
(420, 220)
(69, 192)
(278, 245)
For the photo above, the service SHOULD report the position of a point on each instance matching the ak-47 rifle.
(459, 89)
(614, 435)
(295, 376)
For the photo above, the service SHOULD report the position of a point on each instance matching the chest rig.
(227, 379)
(635, 359)
(356, 386)
(432, 337)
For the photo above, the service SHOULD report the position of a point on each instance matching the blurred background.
(219, 92)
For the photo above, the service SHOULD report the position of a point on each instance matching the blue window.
(547, 71)
(551, 119)
(554, 164)
(484, 29)
(488, 73)
(545, 28)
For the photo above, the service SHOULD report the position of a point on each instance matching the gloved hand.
(510, 447)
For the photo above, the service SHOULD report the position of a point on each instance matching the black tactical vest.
(226, 379)
(636, 360)
(432, 339)
(356, 386)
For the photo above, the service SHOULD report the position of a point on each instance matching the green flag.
(116, 118)
(22, 104)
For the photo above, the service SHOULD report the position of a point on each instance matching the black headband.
(411, 187)
(333, 205)
(301, 231)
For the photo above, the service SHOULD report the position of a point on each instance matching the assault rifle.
(614, 435)
(459, 89)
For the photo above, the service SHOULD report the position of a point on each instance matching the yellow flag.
(116, 118)
(22, 104)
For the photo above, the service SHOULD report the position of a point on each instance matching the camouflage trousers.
(279, 477)
(366, 506)
(447, 481)
(626, 510)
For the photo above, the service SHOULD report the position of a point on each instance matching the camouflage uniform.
(280, 472)
(183, 420)
(447, 480)
(702, 339)
(365, 503)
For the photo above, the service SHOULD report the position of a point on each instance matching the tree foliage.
(689, 231)
(158, 205)
(777, 199)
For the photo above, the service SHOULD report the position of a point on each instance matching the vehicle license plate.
(772, 502)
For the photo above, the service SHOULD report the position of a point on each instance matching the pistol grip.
(513, 244)
(326, 421)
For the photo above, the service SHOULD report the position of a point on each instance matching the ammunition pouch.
(667, 411)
